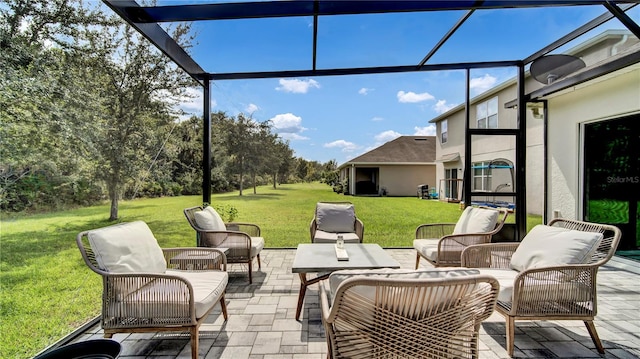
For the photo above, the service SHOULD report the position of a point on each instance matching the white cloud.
(442, 106)
(346, 146)
(387, 136)
(482, 83)
(251, 108)
(364, 91)
(425, 131)
(288, 126)
(297, 86)
(412, 97)
(293, 136)
(377, 119)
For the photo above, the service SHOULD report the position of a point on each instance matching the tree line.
(88, 112)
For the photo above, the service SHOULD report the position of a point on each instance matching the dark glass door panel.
(612, 178)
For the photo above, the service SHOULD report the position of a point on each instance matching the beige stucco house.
(589, 168)
(396, 168)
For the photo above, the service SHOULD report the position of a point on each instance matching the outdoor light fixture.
(537, 109)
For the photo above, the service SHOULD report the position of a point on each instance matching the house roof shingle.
(402, 150)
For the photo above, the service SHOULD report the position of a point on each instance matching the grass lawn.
(46, 291)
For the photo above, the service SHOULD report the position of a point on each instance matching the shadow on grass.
(248, 197)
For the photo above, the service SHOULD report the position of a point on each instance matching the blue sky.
(343, 117)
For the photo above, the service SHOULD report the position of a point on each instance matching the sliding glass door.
(612, 178)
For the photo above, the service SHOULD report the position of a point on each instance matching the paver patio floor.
(262, 321)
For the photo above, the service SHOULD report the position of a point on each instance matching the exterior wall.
(403, 180)
(487, 148)
(614, 96)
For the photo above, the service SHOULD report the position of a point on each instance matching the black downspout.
(206, 145)
(521, 159)
(466, 183)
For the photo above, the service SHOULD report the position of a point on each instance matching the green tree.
(140, 87)
(46, 101)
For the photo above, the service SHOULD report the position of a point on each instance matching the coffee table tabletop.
(321, 258)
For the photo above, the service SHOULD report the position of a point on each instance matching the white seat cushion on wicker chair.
(334, 217)
(476, 220)
(331, 237)
(546, 246)
(208, 286)
(428, 248)
(126, 248)
(257, 244)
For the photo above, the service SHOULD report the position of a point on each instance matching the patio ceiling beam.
(157, 36)
(623, 18)
(446, 37)
(273, 9)
(575, 34)
(359, 70)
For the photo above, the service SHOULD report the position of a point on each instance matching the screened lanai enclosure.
(444, 29)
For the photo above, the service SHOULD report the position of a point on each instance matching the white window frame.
(444, 131)
(487, 113)
(484, 175)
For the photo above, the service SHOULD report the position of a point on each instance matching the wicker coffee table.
(321, 258)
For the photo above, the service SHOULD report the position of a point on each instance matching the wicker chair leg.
(223, 307)
(417, 259)
(194, 342)
(250, 271)
(591, 327)
(510, 325)
(259, 265)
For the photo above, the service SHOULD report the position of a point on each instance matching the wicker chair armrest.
(226, 239)
(312, 229)
(488, 255)
(253, 230)
(534, 288)
(434, 230)
(465, 239)
(195, 258)
(325, 300)
(124, 293)
(359, 227)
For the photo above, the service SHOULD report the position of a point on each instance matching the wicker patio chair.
(242, 240)
(550, 275)
(404, 316)
(149, 289)
(442, 243)
(336, 218)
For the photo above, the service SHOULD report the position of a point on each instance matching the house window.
(443, 131)
(481, 176)
(487, 114)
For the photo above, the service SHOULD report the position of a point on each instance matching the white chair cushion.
(331, 237)
(257, 244)
(334, 217)
(126, 248)
(546, 246)
(476, 220)
(428, 248)
(209, 220)
(208, 286)
(336, 278)
(542, 290)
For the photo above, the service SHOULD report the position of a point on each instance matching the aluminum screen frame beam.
(159, 38)
(274, 9)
